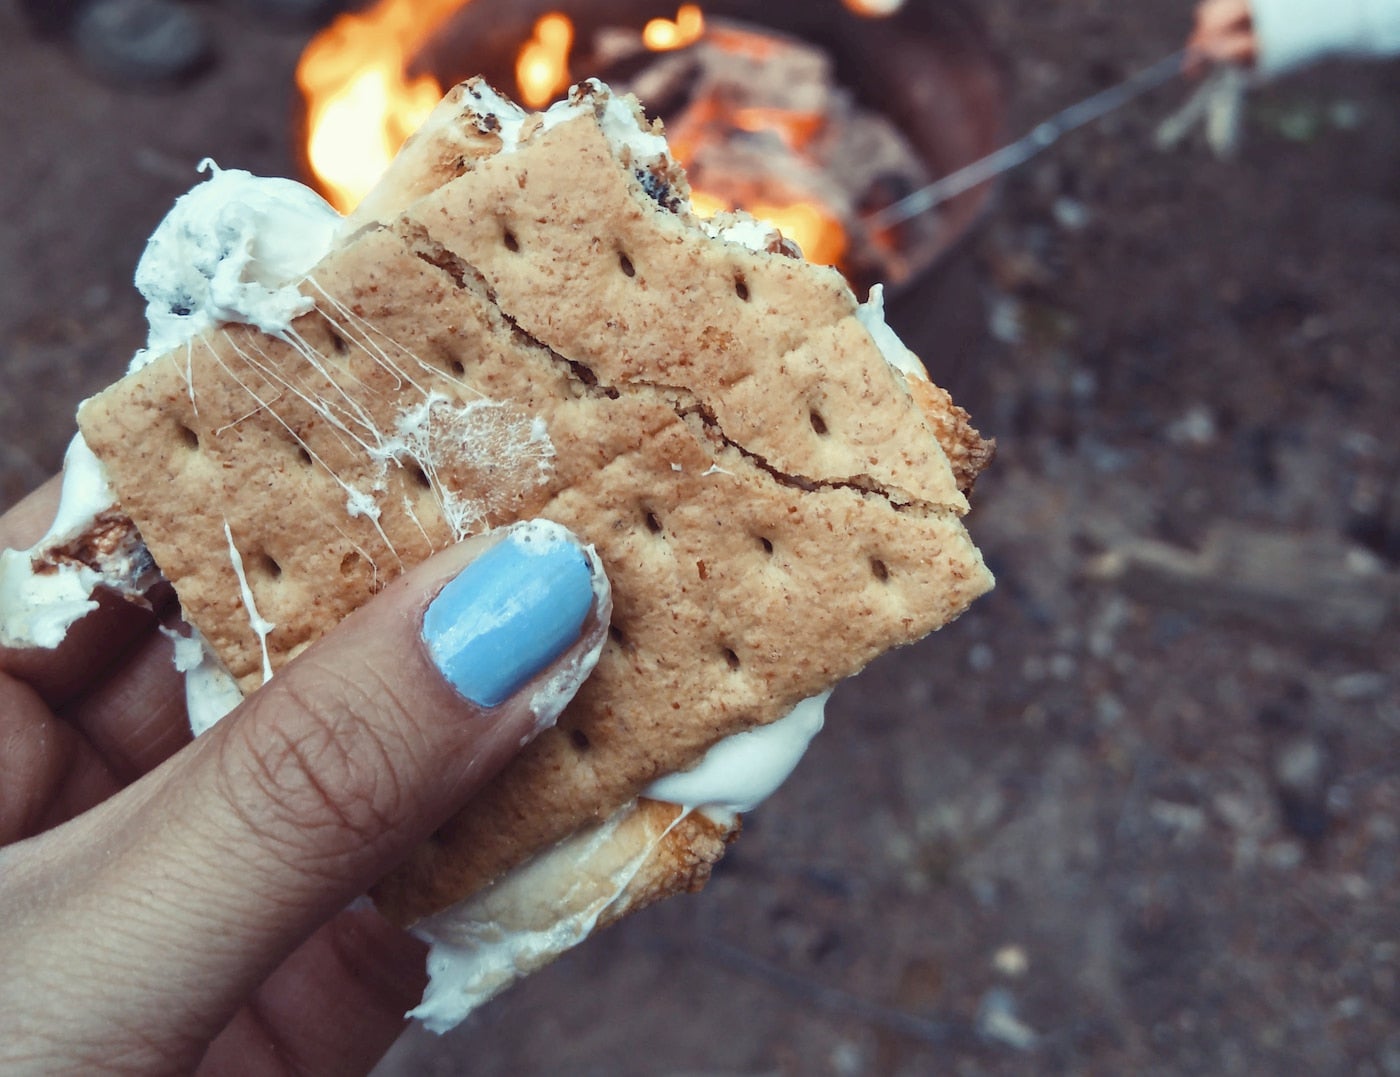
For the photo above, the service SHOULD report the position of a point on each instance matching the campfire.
(755, 110)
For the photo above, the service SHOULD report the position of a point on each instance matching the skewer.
(1038, 140)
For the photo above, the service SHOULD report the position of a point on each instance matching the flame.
(361, 103)
(542, 68)
(707, 205)
(662, 35)
(874, 9)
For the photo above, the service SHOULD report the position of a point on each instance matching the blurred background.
(1139, 810)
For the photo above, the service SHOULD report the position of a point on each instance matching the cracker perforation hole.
(741, 288)
(304, 455)
(818, 422)
(349, 563)
(456, 367)
(879, 569)
(267, 565)
(625, 264)
(618, 636)
(580, 739)
(731, 658)
(512, 244)
(766, 543)
(338, 343)
(653, 523)
(419, 476)
(189, 437)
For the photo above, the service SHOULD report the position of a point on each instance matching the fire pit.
(810, 113)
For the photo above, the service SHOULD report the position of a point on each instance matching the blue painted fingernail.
(510, 613)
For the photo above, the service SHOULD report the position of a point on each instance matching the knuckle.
(325, 771)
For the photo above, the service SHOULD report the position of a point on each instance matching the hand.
(168, 905)
(1224, 34)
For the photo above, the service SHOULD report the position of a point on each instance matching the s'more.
(525, 320)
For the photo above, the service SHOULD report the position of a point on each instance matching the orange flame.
(662, 35)
(361, 104)
(542, 68)
(874, 9)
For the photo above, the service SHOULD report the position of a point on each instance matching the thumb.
(233, 852)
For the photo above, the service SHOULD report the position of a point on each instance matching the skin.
(171, 906)
(1223, 34)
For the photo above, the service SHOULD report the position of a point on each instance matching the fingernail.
(510, 613)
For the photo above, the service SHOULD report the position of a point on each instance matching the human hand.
(168, 906)
(1223, 34)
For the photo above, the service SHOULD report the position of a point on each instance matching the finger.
(48, 773)
(55, 767)
(135, 716)
(1217, 16)
(335, 1006)
(214, 867)
(93, 645)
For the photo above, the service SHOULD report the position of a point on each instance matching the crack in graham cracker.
(738, 590)
(684, 401)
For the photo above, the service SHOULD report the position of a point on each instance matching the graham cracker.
(772, 505)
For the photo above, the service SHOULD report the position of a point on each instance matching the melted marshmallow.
(231, 250)
(871, 314)
(482, 945)
(742, 229)
(742, 771)
(618, 121)
(38, 608)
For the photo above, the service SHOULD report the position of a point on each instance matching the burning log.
(761, 123)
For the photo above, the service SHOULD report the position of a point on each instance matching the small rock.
(1358, 687)
(1348, 1009)
(980, 658)
(997, 1021)
(1011, 961)
(1302, 774)
(1284, 855)
(1070, 214)
(1062, 667)
(848, 1060)
(1005, 320)
(1197, 428)
(1108, 711)
(1186, 820)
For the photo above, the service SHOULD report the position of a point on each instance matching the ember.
(542, 69)
(761, 124)
(661, 35)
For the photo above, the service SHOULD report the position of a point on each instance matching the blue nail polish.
(510, 613)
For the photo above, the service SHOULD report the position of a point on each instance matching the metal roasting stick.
(1023, 149)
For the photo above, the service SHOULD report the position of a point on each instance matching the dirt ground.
(1139, 810)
